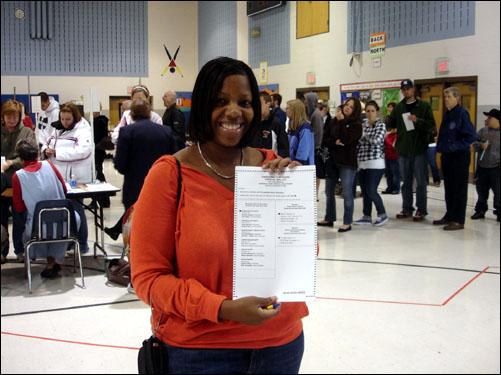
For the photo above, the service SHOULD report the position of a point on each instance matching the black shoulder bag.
(152, 358)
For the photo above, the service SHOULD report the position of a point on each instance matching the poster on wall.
(389, 95)
(172, 67)
(347, 95)
(377, 45)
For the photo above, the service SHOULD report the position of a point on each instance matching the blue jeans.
(369, 181)
(485, 180)
(392, 173)
(432, 161)
(284, 359)
(347, 176)
(414, 166)
(18, 224)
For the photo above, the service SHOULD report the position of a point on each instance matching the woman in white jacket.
(70, 150)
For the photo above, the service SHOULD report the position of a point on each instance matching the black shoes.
(478, 215)
(112, 233)
(441, 222)
(341, 230)
(454, 226)
(325, 224)
(52, 272)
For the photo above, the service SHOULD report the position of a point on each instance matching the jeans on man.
(83, 231)
(347, 176)
(392, 172)
(432, 161)
(369, 182)
(414, 166)
(486, 179)
(18, 226)
(284, 359)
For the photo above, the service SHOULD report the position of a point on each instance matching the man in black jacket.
(139, 146)
(174, 118)
(271, 134)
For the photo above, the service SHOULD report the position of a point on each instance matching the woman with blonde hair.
(300, 134)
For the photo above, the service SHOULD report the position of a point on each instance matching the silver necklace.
(213, 169)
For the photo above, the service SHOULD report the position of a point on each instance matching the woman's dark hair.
(372, 103)
(356, 115)
(27, 149)
(203, 99)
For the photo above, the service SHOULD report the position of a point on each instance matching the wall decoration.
(172, 65)
(263, 72)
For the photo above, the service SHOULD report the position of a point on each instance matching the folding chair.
(53, 221)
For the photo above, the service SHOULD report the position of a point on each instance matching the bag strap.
(179, 185)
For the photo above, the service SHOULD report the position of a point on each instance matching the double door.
(433, 93)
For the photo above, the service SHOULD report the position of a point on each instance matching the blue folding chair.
(53, 221)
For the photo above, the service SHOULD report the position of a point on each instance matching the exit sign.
(442, 66)
(310, 77)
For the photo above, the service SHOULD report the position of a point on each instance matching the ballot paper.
(409, 125)
(275, 234)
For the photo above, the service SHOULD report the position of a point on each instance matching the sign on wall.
(377, 45)
(263, 72)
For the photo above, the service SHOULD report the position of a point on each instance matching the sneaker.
(130, 289)
(380, 220)
(20, 258)
(404, 215)
(418, 216)
(363, 221)
(478, 215)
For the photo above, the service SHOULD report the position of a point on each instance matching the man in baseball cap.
(487, 173)
(406, 83)
(493, 113)
(412, 147)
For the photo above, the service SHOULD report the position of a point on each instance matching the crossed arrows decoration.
(172, 65)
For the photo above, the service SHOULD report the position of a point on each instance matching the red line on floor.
(68, 342)
(464, 286)
(368, 300)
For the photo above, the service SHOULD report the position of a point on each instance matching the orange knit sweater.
(189, 281)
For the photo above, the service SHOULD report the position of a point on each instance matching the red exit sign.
(443, 66)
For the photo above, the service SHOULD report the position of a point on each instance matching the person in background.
(456, 135)
(389, 107)
(174, 118)
(326, 116)
(301, 139)
(38, 181)
(271, 134)
(13, 131)
(277, 111)
(138, 92)
(371, 165)
(317, 123)
(102, 142)
(341, 138)
(5, 235)
(173, 246)
(392, 167)
(49, 114)
(70, 150)
(412, 145)
(26, 118)
(139, 146)
(487, 174)
(322, 153)
(432, 159)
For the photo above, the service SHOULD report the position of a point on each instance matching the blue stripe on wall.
(273, 44)
(89, 38)
(217, 30)
(408, 22)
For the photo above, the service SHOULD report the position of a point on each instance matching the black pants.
(99, 159)
(486, 179)
(455, 170)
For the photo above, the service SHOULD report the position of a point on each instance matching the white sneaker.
(380, 221)
(130, 289)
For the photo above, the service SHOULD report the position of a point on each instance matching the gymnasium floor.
(403, 298)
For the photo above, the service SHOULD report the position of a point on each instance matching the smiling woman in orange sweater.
(182, 258)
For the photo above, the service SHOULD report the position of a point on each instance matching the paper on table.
(409, 125)
(101, 187)
(275, 234)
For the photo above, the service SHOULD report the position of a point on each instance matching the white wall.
(171, 23)
(325, 54)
